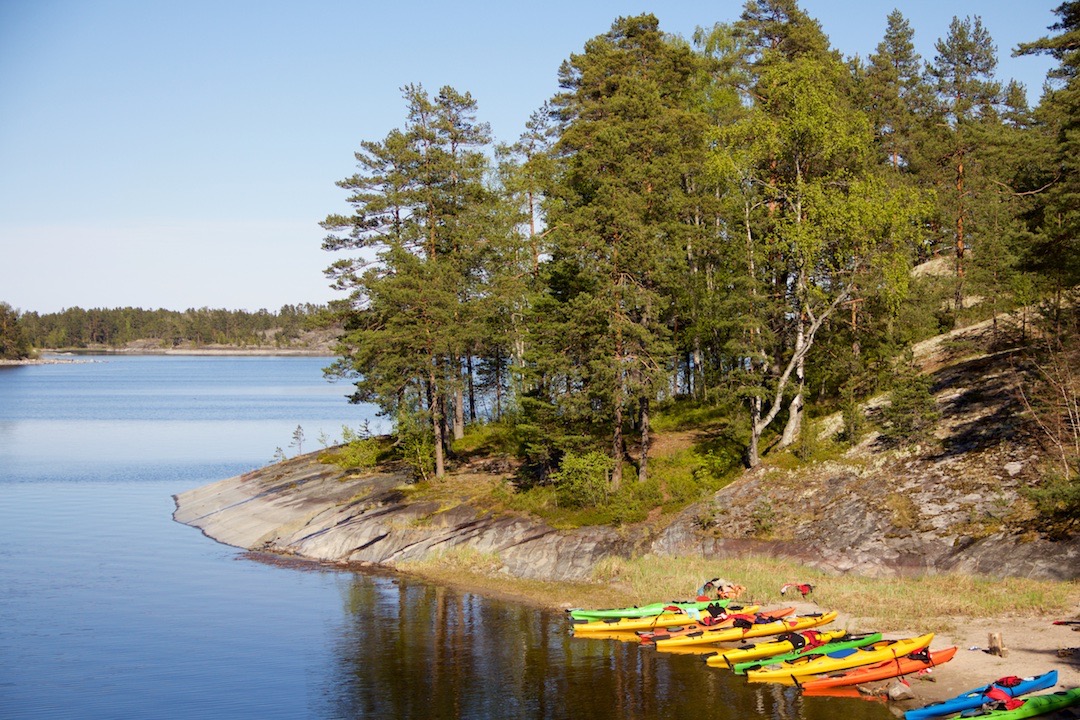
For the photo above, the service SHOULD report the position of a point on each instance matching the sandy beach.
(1034, 645)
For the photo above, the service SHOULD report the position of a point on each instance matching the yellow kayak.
(708, 636)
(794, 672)
(663, 620)
(767, 649)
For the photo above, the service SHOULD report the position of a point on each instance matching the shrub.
(912, 411)
(1057, 501)
(362, 453)
(415, 443)
(583, 480)
(853, 416)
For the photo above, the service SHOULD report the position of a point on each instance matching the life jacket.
(1000, 696)
(813, 638)
(923, 654)
(798, 642)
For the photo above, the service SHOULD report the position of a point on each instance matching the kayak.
(648, 622)
(1033, 706)
(916, 661)
(645, 610)
(792, 672)
(848, 641)
(783, 644)
(720, 621)
(848, 692)
(1012, 687)
(734, 634)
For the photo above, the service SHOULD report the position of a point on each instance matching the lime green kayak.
(648, 623)
(1034, 706)
(650, 610)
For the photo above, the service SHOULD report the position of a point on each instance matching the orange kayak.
(914, 662)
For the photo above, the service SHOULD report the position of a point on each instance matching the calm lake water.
(109, 609)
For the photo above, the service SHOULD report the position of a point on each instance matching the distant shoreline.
(79, 355)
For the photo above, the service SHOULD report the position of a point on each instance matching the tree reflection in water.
(410, 650)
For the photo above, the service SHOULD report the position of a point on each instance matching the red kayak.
(916, 661)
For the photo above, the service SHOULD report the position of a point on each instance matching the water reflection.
(412, 650)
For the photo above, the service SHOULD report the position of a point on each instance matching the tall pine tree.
(615, 228)
(420, 208)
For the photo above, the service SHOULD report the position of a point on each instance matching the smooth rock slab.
(304, 508)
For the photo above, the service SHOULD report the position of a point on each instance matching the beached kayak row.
(797, 649)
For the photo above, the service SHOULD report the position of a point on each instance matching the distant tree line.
(732, 221)
(116, 327)
(14, 344)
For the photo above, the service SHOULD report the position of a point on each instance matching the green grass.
(491, 438)
(675, 481)
(686, 414)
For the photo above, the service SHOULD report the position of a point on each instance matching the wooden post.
(996, 645)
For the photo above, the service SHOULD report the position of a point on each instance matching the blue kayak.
(978, 697)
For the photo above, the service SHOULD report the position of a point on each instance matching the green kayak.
(1033, 706)
(690, 607)
(853, 642)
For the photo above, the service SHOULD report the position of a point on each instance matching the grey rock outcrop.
(304, 508)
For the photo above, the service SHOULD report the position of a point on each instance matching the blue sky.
(180, 154)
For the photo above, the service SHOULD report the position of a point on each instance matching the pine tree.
(13, 341)
(963, 76)
(1055, 219)
(627, 136)
(897, 94)
(420, 208)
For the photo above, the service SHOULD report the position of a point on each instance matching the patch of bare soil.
(1033, 645)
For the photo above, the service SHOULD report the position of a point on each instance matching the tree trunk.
(646, 441)
(498, 384)
(617, 448)
(459, 411)
(959, 297)
(753, 458)
(794, 364)
(435, 400)
(472, 388)
(699, 371)
(795, 409)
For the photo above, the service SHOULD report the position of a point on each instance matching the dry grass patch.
(932, 602)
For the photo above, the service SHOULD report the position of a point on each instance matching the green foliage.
(583, 480)
(763, 518)
(855, 424)
(498, 437)
(359, 450)
(419, 265)
(1057, 501)
(912, 410)
(702, 240)
(13, 341)
(114, 327)
(692, 414)
(415, 443)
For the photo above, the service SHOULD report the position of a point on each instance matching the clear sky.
(175, 154)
